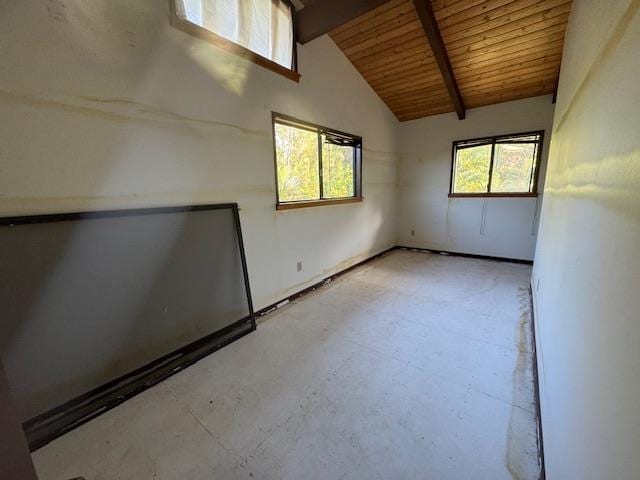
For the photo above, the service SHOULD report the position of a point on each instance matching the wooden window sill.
(495, 195)
(317, 203)
(229, 46)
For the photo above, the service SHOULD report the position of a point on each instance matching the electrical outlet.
(413, 233)
(299, 266)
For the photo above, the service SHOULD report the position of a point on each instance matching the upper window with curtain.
(505, 165)
(260, 30)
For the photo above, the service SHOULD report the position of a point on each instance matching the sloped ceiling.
(499, 50)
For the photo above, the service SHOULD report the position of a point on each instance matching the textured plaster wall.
(587, 265)
(104, 105)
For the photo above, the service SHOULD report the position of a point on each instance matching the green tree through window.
(314, 163)
(472, 169)
(337, 170)
(297, 155)
(513, 167)
(496, 165)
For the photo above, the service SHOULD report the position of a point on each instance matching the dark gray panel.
(85, 301)
(15, 461)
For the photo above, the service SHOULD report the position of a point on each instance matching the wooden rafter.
(430, 26)
(500, 50)
(321, 16)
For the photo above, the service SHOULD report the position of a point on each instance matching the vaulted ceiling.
(497, 50)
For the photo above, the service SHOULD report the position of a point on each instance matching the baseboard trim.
(536, 388)
(468, 255)
(54, 423)
(281, 303)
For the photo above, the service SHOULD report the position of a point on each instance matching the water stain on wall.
(520, 452)
(130, 111)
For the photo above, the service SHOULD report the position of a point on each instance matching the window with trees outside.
(261, 31)
(505, 165)
(315, 165)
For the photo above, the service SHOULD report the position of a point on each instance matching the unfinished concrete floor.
(415, 366)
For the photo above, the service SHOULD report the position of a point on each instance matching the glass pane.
(337, 171)
(298, 164)
(520, 138)
(512, 167)
(264, 27)
(472, 169)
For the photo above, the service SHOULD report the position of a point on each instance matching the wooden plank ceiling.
(499, 50)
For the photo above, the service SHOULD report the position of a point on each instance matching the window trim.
(223, 43)
(492, 141)
(357, 168)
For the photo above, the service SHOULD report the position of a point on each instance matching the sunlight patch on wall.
(613, 181)
(229, 71)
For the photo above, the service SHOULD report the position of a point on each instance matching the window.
(260, 30)
(496, 166)
(315, 165)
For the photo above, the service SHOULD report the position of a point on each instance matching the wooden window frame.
(492, 141)
(319, 129)
(236, 49)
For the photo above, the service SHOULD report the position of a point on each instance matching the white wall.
(104, 105)
(587, 267)
(500, 227)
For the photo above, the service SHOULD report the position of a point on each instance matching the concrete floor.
(415, 366)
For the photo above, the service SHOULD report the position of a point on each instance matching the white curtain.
(262, 26)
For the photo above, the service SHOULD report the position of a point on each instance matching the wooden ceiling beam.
(430, 26)
(322, 16)
(490, 51)
(555, 89)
